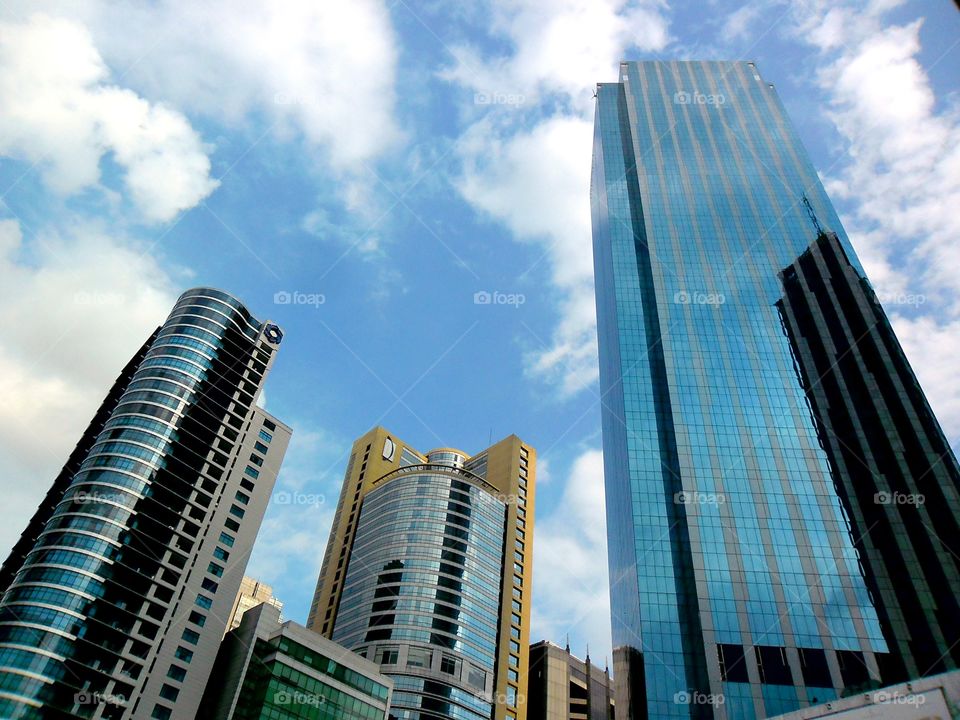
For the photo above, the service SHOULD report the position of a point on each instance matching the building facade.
(895, 471)
(252, 592)
(268, 670)
(428, 573)
(736, 587)
(118, 609)
(564, 687)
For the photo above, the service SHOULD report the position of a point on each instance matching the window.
(197, 619)
(515, 619)
(515, 605)
(231, 524)
(256, 459)
(518, 593)
(177, 673)
(168, 692)
(260, 447)
(183, 654)
(246, 484)
(269, 425)
(265, 436)
(386, 656)
(242, 497)
(191, 636)
(477, 677)
(514, 661)
(209, 585)
(226, 539)
(511, 696)
(204, 602)
(514, 647)
(221, 554)
(449, 665)
(515, 633)
(237, 511)
(419, 657)
(512, 675)
(252, 472)
(215, 570)
(160, 713)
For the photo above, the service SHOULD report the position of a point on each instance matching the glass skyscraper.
(427, 572)
(117, 595)
(736, 587)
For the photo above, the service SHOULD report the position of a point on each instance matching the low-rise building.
(269, 669)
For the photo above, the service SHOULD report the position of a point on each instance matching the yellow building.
(427, 572)
(252, 592)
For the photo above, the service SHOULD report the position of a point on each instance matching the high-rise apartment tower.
(117, 595)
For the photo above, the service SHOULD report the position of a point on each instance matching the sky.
(367, 174)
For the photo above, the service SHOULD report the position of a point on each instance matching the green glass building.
(271, 671)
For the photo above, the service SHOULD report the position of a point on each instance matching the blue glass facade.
(422, 593)
(88, 610)
(735, 585)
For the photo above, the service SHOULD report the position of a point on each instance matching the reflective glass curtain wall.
(736, 590)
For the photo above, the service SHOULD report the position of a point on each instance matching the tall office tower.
(252, 593)
(896, 473)
(564, 687)
(736, 589)
(118, 609)
(427, 572)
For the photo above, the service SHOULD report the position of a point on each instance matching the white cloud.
(322, 70)
(531, 171)
(900, 174)
(58, 110)
(74, 312)
(570, 586)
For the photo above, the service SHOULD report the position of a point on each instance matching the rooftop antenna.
(568, 643)
(812, 215)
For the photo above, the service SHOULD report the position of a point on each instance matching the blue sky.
(394, 159)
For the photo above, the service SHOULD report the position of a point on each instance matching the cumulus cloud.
(900, 174)
(321, 71)
(74, 310)
(570, 562)
(58, 110)
(528, 165)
